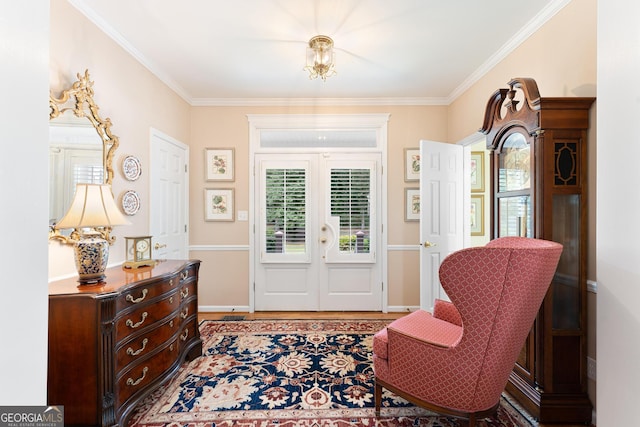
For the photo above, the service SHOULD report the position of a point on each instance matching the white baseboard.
(245, 309)
(223, 308)
(402, 308)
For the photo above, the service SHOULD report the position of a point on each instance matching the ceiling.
(252, 52)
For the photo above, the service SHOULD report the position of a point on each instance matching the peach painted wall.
(127, 93)
(224, 279)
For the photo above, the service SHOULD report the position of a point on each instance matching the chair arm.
(446, 311)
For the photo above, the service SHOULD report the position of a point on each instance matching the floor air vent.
(231, 318)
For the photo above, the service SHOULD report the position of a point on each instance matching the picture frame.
(219, 164)
(218, 204)
(477, 215)
(411, 204)
(477, 172)
(411, 164)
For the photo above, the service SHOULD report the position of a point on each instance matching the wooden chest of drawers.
(110, 345)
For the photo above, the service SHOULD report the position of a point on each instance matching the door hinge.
(185, 168)
(185, 228)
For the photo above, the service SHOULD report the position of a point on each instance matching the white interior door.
(169, 202)
(316, 232)
(441, 213)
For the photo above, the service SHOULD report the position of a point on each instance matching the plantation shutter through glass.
(286, 211)
(350, 202)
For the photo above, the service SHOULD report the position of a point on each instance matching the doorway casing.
(261, 126)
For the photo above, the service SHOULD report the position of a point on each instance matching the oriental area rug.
(293, 373)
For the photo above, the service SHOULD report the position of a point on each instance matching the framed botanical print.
(219, 164)
(477, 171)
(218, 204)
(477, 215)
(411, 164)
(412, 204)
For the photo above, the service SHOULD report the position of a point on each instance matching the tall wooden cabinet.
(538, 157)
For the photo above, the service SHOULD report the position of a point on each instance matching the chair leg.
(472, 420)
(377, 393)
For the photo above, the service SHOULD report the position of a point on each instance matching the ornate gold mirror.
(81, 150)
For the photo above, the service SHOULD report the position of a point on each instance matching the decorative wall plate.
(131, 168)
(130, 202)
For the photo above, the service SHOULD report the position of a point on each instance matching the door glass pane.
(515, 216)
(566, 283)
(285, 230)
(350, 201)
(514, 164)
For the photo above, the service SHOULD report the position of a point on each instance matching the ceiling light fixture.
(320, 58)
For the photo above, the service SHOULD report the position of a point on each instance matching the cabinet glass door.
(514, 188)
(514, 168)
(515, 216)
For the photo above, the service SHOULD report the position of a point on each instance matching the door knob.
(428, 244)
(158, 246)
(323, 240)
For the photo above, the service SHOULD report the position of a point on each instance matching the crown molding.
(296, 102)
(92, 16)
(529, 29)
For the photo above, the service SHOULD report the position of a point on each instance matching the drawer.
(188, 290)
(145, 316)
(146, 342)
(140, 295)
(189, 309)
(188, 332)
(189, 273)
(142, 374)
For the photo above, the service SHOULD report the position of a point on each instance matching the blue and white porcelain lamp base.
(91, 256)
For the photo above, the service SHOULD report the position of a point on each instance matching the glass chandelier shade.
(320, 58)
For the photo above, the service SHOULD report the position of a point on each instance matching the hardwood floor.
(326, 315)
(311, 315)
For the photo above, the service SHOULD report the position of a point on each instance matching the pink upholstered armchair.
(457, 360)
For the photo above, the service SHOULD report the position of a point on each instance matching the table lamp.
(92, 206)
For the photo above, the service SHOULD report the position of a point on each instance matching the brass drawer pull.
(185, 313)
(131, 381)
(131, 352)
(184, 336)
(132, 325)
(184, 293)
(135, 301)
(184, 275)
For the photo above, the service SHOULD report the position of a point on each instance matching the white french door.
(316, 232)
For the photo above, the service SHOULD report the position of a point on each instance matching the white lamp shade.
(92, 206)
